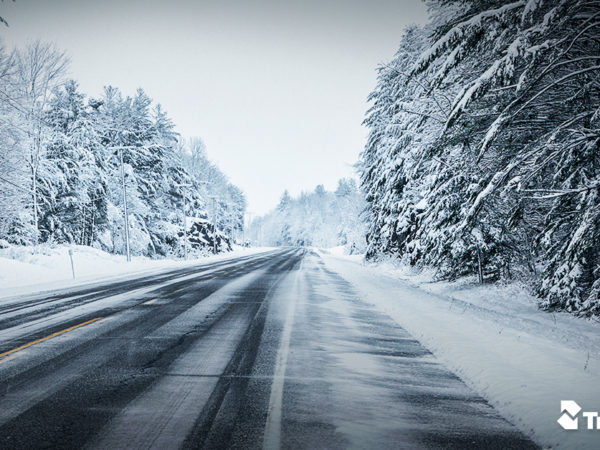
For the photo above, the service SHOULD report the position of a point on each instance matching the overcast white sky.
(277, 90)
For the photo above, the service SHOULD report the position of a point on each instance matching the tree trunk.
(35, 207)
(479, 265)
(82, 239)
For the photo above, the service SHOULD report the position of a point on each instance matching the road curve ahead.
(268, 351)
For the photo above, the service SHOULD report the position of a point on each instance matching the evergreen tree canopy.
(482, 154)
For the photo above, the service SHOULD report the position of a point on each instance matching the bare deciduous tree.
(39, 69)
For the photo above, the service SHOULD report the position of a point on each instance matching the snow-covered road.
(523, 360)
(275, 350)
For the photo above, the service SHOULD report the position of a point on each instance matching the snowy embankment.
(524, 361)
(25, 270)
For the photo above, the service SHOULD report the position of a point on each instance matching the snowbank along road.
(267, 351)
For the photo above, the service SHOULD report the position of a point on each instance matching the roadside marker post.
(71, 258)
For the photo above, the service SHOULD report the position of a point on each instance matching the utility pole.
(249, 223)
(214, 225)
(231, 227)
(185, 237)
(125, 204)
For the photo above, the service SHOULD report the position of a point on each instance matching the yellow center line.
(179, 290)
(58, 333)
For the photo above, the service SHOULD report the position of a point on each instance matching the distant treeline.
(319, 218)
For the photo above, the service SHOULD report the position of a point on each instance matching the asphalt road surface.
(266, 351)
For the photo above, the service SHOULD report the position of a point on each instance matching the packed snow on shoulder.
(25, 269)
(523, 360)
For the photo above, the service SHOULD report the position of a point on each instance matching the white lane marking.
(272, 436)
(149, 302)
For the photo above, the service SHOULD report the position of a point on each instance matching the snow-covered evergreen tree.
(62, 180)
(482, 155)
(73, 195)
(229, 206)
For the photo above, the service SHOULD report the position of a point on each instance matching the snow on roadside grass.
(523, 360)
(26, 270)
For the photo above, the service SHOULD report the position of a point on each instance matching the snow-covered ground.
(523, 360)
(25, 270)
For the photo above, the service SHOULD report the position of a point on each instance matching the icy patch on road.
(523, 360)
